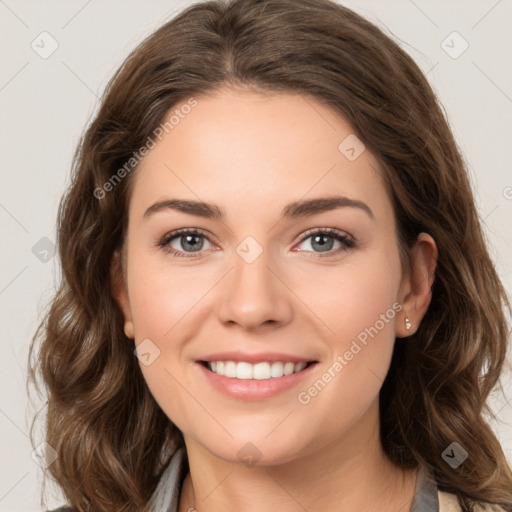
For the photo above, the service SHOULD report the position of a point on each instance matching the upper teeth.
(259, 371)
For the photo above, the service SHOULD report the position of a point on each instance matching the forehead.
(254, 152)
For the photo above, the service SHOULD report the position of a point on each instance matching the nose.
(254, 295)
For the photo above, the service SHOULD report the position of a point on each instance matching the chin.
(259, 452)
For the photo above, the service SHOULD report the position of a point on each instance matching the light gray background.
(46, 103)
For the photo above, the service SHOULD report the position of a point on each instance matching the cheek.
(359, 305)
(162, 305)
(352, 298)
(161, 295)
(165, 302)
(370, 293)
(373, 310)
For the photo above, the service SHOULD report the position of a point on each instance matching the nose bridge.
(253, 295)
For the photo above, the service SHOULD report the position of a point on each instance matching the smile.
(260, 371)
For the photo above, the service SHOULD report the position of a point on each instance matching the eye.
(323, 241)
(184, 242)
(189, 242)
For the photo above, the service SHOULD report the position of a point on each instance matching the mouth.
(266, 370)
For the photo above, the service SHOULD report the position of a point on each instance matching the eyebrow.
(297, 209)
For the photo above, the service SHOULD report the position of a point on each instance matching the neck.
(351, 473)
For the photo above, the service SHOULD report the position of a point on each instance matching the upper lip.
(260, 357)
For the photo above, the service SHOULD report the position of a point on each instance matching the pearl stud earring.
(408, 324)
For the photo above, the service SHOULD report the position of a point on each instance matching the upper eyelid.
(328, 231)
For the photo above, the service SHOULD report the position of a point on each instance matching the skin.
(252, 154)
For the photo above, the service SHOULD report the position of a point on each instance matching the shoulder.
(62, 509)
(448, 503)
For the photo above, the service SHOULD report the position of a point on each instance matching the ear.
(120, 292)
(416, 287)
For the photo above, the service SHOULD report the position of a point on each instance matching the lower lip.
(253, 389)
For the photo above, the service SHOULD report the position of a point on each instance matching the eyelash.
(348, 243)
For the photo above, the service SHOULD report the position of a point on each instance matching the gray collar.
(426, 498)
(166, 497)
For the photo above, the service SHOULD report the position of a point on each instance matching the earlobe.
(120, 292)
(416, 288)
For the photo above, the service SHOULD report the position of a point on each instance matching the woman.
(275, 288)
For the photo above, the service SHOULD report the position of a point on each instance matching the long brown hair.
(112, 439)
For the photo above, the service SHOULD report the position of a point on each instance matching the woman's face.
(260, 284)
